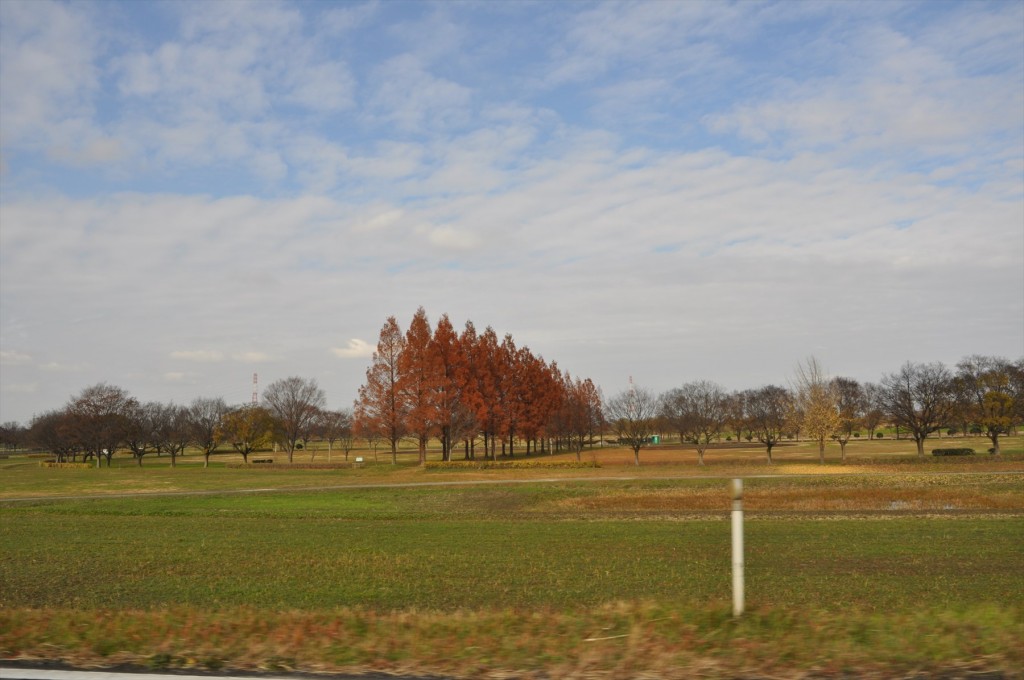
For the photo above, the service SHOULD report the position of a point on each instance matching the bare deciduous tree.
(336, 426)
(768, 414)
(698, 411)
(874, 411)
(920, 398)
(294, 403)
(100, 416)
(172, 430)
(55, 431)
(631, 414)
(204, 416)
(141, 433)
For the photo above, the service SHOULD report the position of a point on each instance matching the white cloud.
(355, 349)
(19, 388)
(452, 238)
(897, 95)
(60, 367)
(413, 99)
(284, 181)
(382, 220)
(202, 355)
(14, 358)
(48, 74)
(252, 357)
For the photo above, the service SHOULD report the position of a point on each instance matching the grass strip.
(614, 640)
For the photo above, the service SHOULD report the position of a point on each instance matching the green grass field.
(877, 568)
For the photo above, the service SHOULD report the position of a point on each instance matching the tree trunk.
(920, 445)
(994, 436)
(768, 445)
(821, 450)
(636, 455)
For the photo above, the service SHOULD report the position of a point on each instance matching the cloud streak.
(666, 190)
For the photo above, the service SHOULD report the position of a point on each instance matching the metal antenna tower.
(255, 390)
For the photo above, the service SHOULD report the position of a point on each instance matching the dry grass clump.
(616, 640)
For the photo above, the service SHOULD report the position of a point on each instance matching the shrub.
(952, 452)
(507, 464)
(878, 435)
(288, 466)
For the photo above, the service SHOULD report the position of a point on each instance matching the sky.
(193, 192)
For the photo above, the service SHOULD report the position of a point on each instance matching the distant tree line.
(103, 419)
(984, 395)
(486, 396)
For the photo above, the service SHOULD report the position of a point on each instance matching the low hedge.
(508, 464)
(289, 466)
(952, 452)
(73, 466)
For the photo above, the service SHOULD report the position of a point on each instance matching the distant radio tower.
(255, 391)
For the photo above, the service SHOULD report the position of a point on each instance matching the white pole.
(737, 547)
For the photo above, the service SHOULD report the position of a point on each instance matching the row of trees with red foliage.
(459, 388)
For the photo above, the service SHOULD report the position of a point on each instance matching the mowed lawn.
(889, 573)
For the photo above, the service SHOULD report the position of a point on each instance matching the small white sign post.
(737, 547)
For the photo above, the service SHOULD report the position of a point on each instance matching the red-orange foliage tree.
(489, 372)
(453, 417)
(417, 381)
(457, 388)
(379, 411)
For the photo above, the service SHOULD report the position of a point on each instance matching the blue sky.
(191, 192)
